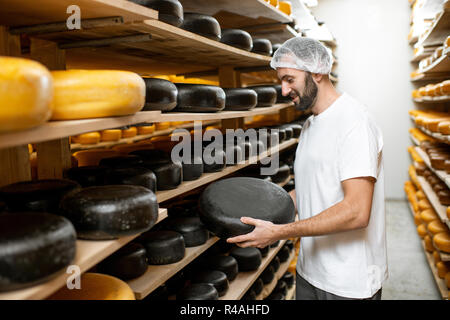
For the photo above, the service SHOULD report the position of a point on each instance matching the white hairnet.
(305, 54)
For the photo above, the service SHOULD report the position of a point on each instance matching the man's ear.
(317, 77)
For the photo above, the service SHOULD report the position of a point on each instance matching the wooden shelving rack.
(135, 41)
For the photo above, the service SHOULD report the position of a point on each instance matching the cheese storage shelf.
(439, 69)
(237, 13)
(157, 275)
(210, 177)
(88, 254)
(439, 29)
(280, 272)
(444, 138)
(432, 197)
(444, 176)
(14, 12)
(244, 280)
(439, 99)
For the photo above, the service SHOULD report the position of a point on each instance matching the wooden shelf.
(237, 13)
(210, 177)
(414, 140)
(439, 282)
(88, 254)
(438, 136)
(439, 69)
(157, 275)
(244, 280)
(423, 53)
(439, 31)
(432, 197)
(280, 272)
(24, 12)
(276, 33)
(444, 176)
(291, 294)
(439, 99)
(77, 147)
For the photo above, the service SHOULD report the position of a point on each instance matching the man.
(339, 181)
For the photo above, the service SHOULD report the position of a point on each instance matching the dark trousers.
(305, 291)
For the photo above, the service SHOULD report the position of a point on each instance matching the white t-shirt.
(340, 143)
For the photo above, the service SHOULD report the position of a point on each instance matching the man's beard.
(308, 98)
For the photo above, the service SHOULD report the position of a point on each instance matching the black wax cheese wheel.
(276, 296)
(280, 97)
(264, 251)
(168, 176)
(267, 96)
(289, 131)
(176, 282)
(226, 264)
(191, 228)
(169, 11)
(289, 279)
(214, 162)
(152, 157)
(249, 295)
(282, 174)
(275, 244)
(203, 25)
(137, 176)
(128, 262)
(240, 99)
(121, 161)
(160, 95)
(257, 286)
(199, 98)
(40, 195)
(267, 275)
(283, 254)
(234, 155)
(224, 202)
(281, 287)
(109, 212)
(34, 246)
(275, 47)
(163, 247)
(262, 46)
(297, 130)
(198, 291)
(88, 176)
(290, 185)
(275, 263)
(281, 133)
(237, 38)
(248, 259)
(194, 169)
(215, 277)
(289, 244)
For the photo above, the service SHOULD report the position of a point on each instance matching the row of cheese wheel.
(432, 231)
(426, 62)
(438, 154)
(433, 90)
(434, 121)
(171, 11)
(419, 135)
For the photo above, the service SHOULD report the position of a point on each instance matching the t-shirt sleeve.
(359, 153)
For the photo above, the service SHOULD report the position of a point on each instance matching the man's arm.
(352, 213)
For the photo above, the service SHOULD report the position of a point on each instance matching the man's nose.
(285, 89)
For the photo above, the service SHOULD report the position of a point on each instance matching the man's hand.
(264, 234)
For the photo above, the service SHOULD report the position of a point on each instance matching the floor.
(410, 277)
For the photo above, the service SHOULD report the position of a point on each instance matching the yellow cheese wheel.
(447, 42)
(93, 157)
(442, 241)
(417, 220)
(420, 195)
(444, 88)
(424, 204)
(87, 138)
(129, 133)
(274, 3)
(447, 280)
(82, 94)
(428, 244)
(285, 7)
(422, 230)
(436, 257)
(444, 127)
(162, 125)
(146, 129)
(96, 286)
(443, 268)
(26, 92)
(436, 226)
(416, 94)
(111, 135)
(448, 212)
(428, 215)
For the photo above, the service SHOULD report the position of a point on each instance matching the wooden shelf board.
(210, 177)
(77, 147)
(237, 13)
(169, 49)
(26, 12)
(414, 140)
(244, 280)
(439, 282)
(275, 33)
(438, 32)
(432, 197)
(156, 275)
(291, 294)
(88, 254)
(59, 129)
(438, 99)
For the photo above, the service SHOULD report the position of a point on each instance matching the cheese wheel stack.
(432, 90)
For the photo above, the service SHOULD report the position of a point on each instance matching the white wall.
(373, 54)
